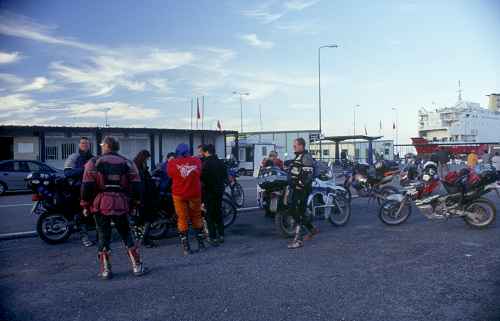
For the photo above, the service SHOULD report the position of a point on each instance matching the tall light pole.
(106, 110)
(319, 95)
(396, 124)
(354, 123)
(241, 94)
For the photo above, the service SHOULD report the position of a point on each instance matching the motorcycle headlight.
(35, 181)
(426, 177)
(46, 183)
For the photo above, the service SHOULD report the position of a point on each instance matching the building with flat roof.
(53, 144)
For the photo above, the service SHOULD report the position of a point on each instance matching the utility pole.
(241, 94)
(319, 96)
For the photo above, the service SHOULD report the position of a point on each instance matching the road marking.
(15, 205)
(10, 236)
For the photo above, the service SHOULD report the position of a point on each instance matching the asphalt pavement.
(421, 270)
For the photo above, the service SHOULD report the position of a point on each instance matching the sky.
(65, 62)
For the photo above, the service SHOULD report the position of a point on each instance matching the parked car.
(13, 173)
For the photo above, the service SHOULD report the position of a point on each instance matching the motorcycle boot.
(312, 232)
(297, 241)
(84, 236)
(186, 248)
(135, 259)
(200, 237)
(104, 258)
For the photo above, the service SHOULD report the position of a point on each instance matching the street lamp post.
(354, 123)
(241, 94)
(319, 95)
(396, 124)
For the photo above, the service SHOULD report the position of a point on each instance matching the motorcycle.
(372, 181)
(463, 198)
(234, 188)
(326, 200)
(166, 218)
(56, 203)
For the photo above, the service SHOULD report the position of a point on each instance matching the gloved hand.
(86, 212)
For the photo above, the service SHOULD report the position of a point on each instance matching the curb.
(18, 235)
(21, 235)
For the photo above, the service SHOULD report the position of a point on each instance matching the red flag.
(198, 114)
(219, 126)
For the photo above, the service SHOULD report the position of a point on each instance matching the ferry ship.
(461, 128)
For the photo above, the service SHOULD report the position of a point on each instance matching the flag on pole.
(198, 114)
(380, 125)
(393, 125)
(219, 125)
(366, 132)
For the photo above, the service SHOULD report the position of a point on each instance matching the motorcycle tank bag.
(273, 180)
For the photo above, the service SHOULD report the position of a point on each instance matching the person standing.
(472, 160)
(495, 162)
(73, 168)
(185, 172)
(213, 176)
(486, 158)
(148, 196)
(301, 175)
(110, 185)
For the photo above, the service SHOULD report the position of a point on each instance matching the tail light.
(36, 197)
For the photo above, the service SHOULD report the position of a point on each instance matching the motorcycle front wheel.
(53, 228)
(238, 194)
(484, 213)
(229, 212)
(285, 224)
(386, 191)
(388, 212)
(340, 215)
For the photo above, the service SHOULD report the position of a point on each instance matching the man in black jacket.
(73, 168)
(213, 177)
(301, 178)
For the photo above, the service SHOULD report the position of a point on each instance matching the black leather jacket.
(302, 171)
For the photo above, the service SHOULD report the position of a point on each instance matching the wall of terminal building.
(283, 141)
(59, 145)
(357, 150)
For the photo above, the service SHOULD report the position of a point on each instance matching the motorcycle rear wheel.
(238, 194)
(53, 228)
(481, 207)
(388, 210)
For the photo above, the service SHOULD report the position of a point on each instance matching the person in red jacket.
(185, 171)
(110, 185)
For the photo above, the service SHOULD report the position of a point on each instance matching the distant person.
(472, 160)
(213, 176)
(200, 151)
(185, 171)
(443, 156)
(73, 168)
(272, 160)
(495, 162)
(148, 196)
(486, 158)
(111, 183)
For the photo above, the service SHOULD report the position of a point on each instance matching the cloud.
(11, 79)
(160, 84)
(7, 58)
(23, 27)
(105, 73)
(117, 110)
(15, 102)
(299, 5)
(252, 40)
(37, 84)
(269, 12)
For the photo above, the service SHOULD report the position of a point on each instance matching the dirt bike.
(462, 200)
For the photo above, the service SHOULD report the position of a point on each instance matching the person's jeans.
(103, 224)
(298, 205)
(188, 210)
(215, 222)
